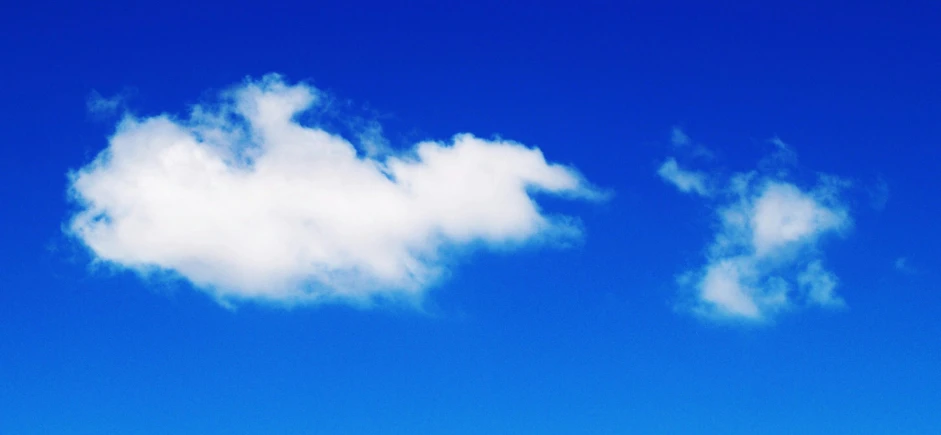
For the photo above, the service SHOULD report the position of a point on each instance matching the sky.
(431, 218)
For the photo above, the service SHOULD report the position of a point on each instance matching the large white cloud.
(246, 202)
(765, 256)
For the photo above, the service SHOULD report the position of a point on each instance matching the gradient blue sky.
(590, 338)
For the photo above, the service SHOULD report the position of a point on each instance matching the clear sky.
(431, 218)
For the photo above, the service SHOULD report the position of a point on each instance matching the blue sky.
(257, 218)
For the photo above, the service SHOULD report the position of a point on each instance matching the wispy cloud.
(246, 202)
(903, 265)
(780, 161)
(685, 181)
(679, 138)
(100, 105)
(683, 144)
(764, 258)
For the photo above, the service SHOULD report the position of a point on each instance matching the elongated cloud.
(686, 181)
(765, 257)
(246, 202)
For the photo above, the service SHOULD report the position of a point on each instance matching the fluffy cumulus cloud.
(765, 256)
(247, 202)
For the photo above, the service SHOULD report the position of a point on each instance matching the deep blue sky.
(586, 339)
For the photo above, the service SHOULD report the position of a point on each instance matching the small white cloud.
(781, 160)
(685, 181)
(100, 105)
(246, 202)
(679, 138)
(783, 215)
(765, 258)
(818, 284)
(723, 287)
(373, 142)
(781, 145)
(684, 145)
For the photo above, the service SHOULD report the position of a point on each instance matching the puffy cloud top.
(245, 201)
(783, 215)
(764, 257)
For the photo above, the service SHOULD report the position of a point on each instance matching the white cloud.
(781, 146)
(686, 181)
(246, 202)
(765, 257)
(818, 284)
(784, 215)
(724, 285)
(780, 161)
(678, 137)
(684, 145)
(100, 105)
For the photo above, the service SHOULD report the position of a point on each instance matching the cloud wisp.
(100, 105)
(248, 203)
(683, 144)
(765, 256)
(685, 181)
(904, 266)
